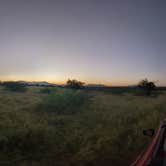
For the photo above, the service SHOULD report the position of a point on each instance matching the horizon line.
(89, 83)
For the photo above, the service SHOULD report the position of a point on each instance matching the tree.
(74, 84)
(147, 86)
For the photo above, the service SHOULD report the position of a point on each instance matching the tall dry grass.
(104, 128)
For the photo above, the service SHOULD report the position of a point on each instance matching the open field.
(75, 128)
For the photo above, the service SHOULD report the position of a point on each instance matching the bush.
(67, 102)
(15, 86)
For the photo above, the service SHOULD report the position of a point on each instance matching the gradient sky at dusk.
(115, 42)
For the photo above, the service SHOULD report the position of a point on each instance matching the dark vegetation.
(117, 90)
(74, 84)
(14, 86)
(68, 102)
(144, 88)
(147, 87)
(50, 126)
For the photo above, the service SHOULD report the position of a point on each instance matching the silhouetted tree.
(147, 86)
(75, 84)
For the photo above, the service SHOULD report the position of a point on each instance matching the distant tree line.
(145, 86)
(14, 86)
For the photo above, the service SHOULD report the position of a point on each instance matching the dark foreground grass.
(75, 128)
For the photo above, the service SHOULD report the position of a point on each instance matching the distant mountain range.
(34, 83)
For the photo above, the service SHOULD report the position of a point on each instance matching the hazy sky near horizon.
(96, 41)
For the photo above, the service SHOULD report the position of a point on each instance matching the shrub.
(67, 102)
(15, 86)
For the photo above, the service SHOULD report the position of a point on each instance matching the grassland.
(75, 128)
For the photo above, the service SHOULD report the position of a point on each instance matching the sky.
(112, 42)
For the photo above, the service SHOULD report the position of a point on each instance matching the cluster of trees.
(74, 84)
